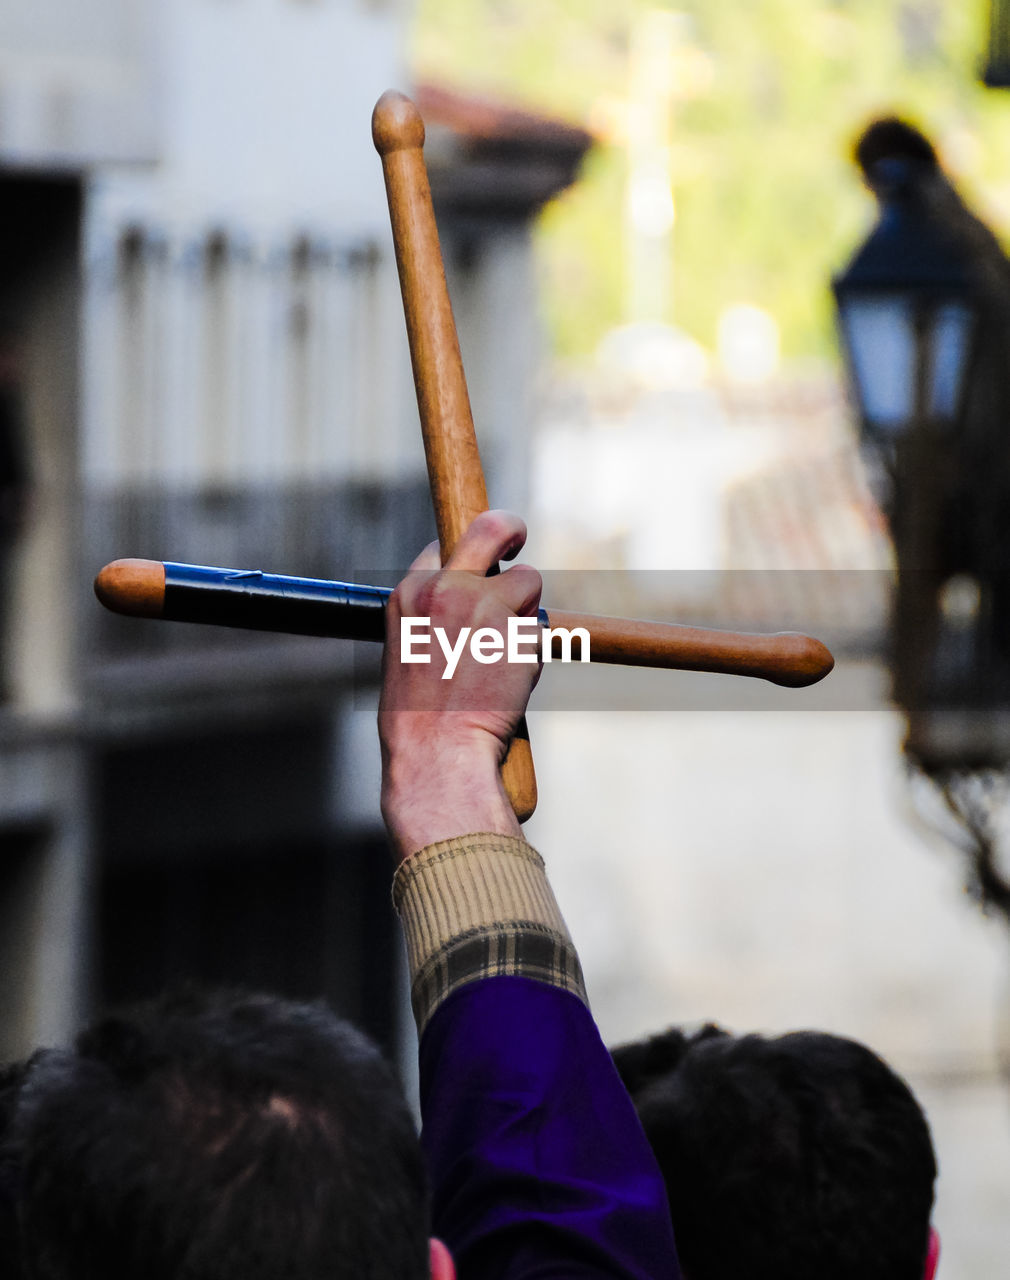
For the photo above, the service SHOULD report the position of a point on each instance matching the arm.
(538, 1163)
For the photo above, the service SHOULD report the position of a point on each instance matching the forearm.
(538, 1163)
(536, 1155)
(468, 795)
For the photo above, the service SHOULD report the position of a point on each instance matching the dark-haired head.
(785, 1157)
(224, 1137)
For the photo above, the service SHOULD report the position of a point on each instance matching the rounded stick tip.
(396, 124)
(800, 660)
(134, 587)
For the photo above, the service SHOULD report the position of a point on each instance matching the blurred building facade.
(198, 281)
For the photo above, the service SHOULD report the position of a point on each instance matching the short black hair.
(785, 1158)
(217, 1137)
(12, 1078)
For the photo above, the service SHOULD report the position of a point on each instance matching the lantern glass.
(879, 331)
(951, 335)
(887, 334)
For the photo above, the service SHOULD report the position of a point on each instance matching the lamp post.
(908, 312)
(911, 315)
(924, 317)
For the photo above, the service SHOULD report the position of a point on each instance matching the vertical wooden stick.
(455, 473)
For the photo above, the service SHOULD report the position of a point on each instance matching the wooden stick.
(786, 658)
(312, 606)
(455, 473)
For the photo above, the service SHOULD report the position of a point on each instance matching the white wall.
(265, 146)
(76, 82)
(503, 344)
(266, 109)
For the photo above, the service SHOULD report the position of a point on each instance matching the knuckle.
(526, 585)
(488, 610)
(425, 596)
(442, 594)
(531, 578)
(504, 525)
(408, 590)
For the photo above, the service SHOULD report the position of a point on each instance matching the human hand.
(443, 740)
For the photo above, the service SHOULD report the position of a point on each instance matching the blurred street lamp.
(909, 312)
(924, 316)
(911, 315)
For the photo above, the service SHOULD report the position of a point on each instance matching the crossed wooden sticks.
(249, 598)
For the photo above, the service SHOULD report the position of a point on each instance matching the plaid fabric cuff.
(479, 906)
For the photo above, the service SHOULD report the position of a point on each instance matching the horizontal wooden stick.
(314, 606)
(784, 657)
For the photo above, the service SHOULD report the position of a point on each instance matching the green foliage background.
(768, 203)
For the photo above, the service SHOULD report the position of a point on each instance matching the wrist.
(429, 797)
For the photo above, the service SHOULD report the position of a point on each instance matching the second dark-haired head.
(785, 1158)
(224, 1137)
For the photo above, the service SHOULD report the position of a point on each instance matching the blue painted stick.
(245, 598)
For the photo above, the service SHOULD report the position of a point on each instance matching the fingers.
(519, 589)
(463, 596)
(428, 561)
(493, 536)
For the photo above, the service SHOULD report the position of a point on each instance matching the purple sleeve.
(538, 1163)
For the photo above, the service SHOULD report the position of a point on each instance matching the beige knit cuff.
(479, 906)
